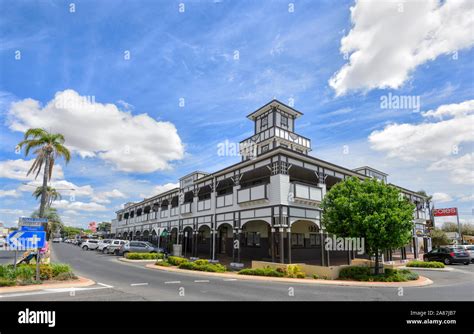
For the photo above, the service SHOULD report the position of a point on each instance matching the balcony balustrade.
(224, 200)
(204, 205)
(252, 194)
(307, 192)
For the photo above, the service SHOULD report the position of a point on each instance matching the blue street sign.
(32, 228)
(26, 239)
(33, 220)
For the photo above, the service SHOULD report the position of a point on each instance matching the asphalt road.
(120, 281)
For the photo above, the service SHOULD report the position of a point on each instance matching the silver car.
(469, 249)
(113, 247)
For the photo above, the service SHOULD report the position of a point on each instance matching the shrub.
(203, 266)
(266, 271)
(294, 271)
(201, 262)
(59, 268)
(7, 282)
(46, 271)
(390, 275)
(176, 260)
(315, 276)
(65, 276)
(143, 256)
(162, 264)
(7, 272)
(25, 273)
(422, 264)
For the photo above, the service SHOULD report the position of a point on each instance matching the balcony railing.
(204, 205)
(224, 200)
(307, 192)
(252, 194)
(174, 211)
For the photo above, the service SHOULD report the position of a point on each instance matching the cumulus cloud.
(160, 189)
(437, 140)
(132, 143)
(78, 206)
(104, 197)
(441, 197)
(389, 39)
(9, 193)
(17, 169)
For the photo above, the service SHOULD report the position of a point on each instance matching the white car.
(469, 249)
(90, 244)
(102, 244)
(57, 240)
(114, 246)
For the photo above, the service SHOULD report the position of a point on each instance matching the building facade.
(266, 207)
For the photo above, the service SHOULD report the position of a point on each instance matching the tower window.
(264, 122)
(284, 121)
(265, 148)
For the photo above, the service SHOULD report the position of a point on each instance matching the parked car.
(90, 244)
(103, 243)
(2, 242)
(138, 247)
(448, 255)
(469, 249)
(57, 239)
(113, 247)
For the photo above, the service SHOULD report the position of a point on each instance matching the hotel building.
(266, 207)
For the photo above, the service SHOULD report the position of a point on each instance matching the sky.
(145, 91)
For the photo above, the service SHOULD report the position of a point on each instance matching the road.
(120, 281)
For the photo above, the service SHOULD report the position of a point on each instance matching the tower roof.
(274, 103)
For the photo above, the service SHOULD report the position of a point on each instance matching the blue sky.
(225, 59)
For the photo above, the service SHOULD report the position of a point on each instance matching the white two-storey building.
(265, 207)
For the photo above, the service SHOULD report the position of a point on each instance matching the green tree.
(438, 237)
(70, 231)
(51, 195)
(54, 220)
(104, 226)
(368, 209)
(49, 147)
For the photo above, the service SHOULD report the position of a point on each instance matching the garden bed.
(25, 274)
(363, 274)
(422, 264)
(198, 265)
(144, 256)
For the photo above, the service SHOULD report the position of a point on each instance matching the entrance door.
(222, 239)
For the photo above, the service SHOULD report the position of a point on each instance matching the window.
(264, 122)
(252, 239)
(297, 239)
(265, 148)
(284, 121)
(314, 240)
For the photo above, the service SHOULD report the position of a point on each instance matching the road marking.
(48, 291)
(230, 279)
(137, 284)
(201, 281)
(105, 285)
(173, 282)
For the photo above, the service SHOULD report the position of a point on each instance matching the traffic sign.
(32, 228)
(22, 240)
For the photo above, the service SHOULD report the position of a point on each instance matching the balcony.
(224, 200)
(204, 205)
(186, 207)
(306, 192)
(292, 137)
(174, 211)
(252, 194)
(164, 213)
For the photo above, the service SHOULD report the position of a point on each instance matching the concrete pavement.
(118, 280)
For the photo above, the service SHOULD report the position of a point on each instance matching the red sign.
(445, 212)
(93, 227)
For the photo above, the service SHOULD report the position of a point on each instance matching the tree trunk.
(44, 189)
(376, 272)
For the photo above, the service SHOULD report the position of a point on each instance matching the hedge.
(203, 265)
(25, 274)
(422, 264)
(176, 260)
(266, 271)
(363, 274)
(144, 256)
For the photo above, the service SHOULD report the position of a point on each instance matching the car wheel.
(104, 251)
(116, 252)
(447, 261)
(466, 263)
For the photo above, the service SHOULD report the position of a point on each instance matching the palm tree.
(51, 195)
(49, 147)
(54, 220)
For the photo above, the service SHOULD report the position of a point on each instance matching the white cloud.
(131, 143)
(160, 189)
(65, 188)
(78, 206)
(467, 198)
(9, 193)
(428, 140)
(389, 39)
(441, 198)
(104, 197)
(17, 169)
(461, 169)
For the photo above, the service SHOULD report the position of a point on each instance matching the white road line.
(48, 291)
(137, 284)
(106, 285)
(172, 282)
(201, 281)
(230, 279)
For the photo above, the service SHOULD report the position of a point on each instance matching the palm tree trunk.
(44, 195)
